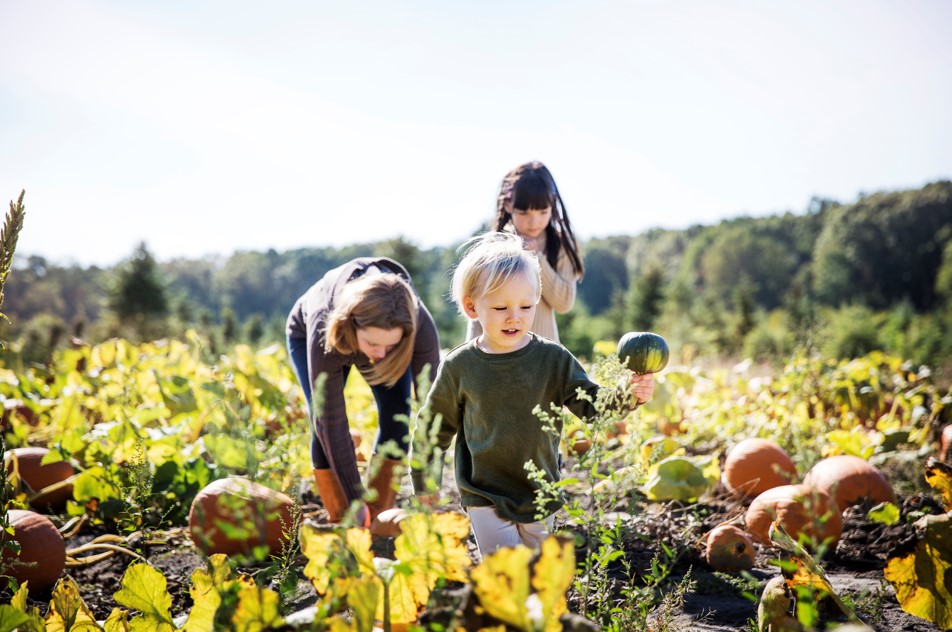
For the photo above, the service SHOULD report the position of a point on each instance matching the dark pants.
(391, 403)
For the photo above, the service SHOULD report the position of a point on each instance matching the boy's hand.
(642, 387)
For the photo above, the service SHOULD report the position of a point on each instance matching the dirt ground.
(715, 601)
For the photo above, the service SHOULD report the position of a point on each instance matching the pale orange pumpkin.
(235, 515)
(755, 465)
(850, 480)
(42, 550)
(38, 476)
(800, 509)
(729, 549)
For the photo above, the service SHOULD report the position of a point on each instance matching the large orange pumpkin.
(850, 480)
(800, 509)
(755, 465)
(42, 550)
(38, 476)
(235, 515)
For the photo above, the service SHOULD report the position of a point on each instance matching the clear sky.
(209, 127)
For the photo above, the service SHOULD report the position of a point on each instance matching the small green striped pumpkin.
(644, 352)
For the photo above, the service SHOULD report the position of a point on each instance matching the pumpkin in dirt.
(850, 480)
(42, 555)
(728, 549)
(643, 352)
(28, 463)
(235, 515)
(578, 443)
(800, 510)
(755, 465)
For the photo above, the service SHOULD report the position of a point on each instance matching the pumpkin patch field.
(150, 488)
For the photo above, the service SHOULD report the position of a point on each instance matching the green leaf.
(144, 589)
(884, 513)
(675, 478)
(11, 618)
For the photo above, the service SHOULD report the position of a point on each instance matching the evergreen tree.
(139, 298)
(645, 300)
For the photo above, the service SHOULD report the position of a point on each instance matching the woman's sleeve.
(559, 283)
(332, 427)
(426, 346)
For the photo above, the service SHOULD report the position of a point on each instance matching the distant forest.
(837, 279)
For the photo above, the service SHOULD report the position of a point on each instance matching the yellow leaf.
(434, 546)
(939, 476)
(501, 582)
(319, 546)
(358, 543)
(68, 612)
(406, 591)
(205, 596)
(144, 589)
(117, 621)
(921, 576)
(363, 595)
(552, 575)
(807, 572)
(258, 609)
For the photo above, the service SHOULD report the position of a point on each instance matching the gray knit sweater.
(486, 401)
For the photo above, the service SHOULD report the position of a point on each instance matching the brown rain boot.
(331, 493)
(383, 484)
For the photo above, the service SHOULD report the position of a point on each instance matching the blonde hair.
(491, 260)
(385, 301)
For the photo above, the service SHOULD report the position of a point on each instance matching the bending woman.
(363, 314)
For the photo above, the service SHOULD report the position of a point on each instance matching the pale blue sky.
(209, 127)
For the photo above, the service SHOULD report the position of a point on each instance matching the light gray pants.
(493, 532)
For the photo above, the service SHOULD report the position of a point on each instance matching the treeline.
(841, 279)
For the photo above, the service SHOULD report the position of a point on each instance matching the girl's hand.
(642, 387)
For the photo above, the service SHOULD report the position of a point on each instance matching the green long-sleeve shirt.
(486, 401)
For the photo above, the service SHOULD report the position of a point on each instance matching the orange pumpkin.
(945, 444)
(235, 515)
(755, 465)
(800, 509)
(729, 549)
(38, 476)
(42, 550)
(579, 444)
(850, 480)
